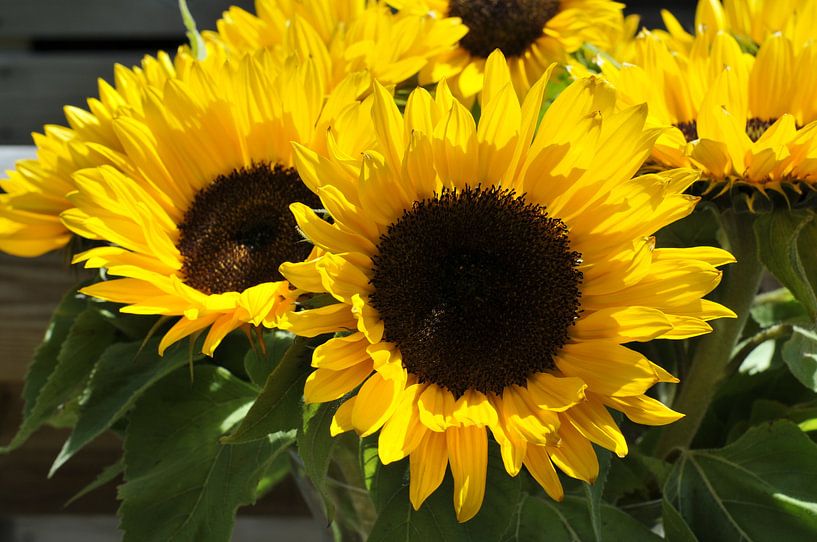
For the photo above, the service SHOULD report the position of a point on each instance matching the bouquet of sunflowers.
(467, 270)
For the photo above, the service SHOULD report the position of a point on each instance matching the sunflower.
(487, 277)
(195, 208)
(531, 33)
(750, 21)
(341, 36)
(35, 191)
(737, 118)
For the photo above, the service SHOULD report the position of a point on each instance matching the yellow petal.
(324, 385)
(468, 456)
(575, 455)
(644, 409)
(342, 420)
(403, 431)
(427, 465)
(376, 401)
(621, 324)
(607, 368)
(539, 465)
(593, 421)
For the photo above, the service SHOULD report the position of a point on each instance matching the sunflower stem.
(710, 362)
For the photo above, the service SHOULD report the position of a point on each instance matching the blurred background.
(51, 54)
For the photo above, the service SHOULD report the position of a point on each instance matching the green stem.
(710, 362)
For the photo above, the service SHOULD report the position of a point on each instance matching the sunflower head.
(747, 123)
(195, 208)
(341, 37)
(531, 34)
(751, 22)
(487, 276)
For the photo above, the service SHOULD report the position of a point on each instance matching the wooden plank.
(30, 289)
(95, 19)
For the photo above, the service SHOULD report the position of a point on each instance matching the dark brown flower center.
(756, 127)
(509, 25)
(689, 129)
(239, 229)
(477, 288)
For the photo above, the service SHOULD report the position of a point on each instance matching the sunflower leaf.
(397, 521)
(786, 241)
(382, 481)
(123, 373)
(108, 474)
(259, 364)
(800, 354)
(181, 484)
(543, 520)
(675, 528)
(315, 446)
(81, 346)
(279, 406)
(594, 492)
(747, 490)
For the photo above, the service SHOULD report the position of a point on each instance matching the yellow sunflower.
(35, 191)
(737, 118)
(531, 33)
(487, 277)
(195, 208)
(342, 36)
(750, 21)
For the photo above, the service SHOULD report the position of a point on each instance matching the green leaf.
(785, 240)
(279, 406)
(260, 364)
(594, 492)
(753, 490)
(110, 473)
(45, 358)
(122, 374)
(181, 483)
(397, 521)
(315, 446)
(89, 336)
(800, 354)
(778, 307)
(542, 520)
(675, 528)
(382, 481)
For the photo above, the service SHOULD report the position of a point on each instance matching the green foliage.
(258, 363)
(542, 520)
(315, 446)
(800, 354)
(123, 373)
(76, 339)
(756, 489)
(786, 241)
(279, 406)
(181, 483)
(594, 493)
